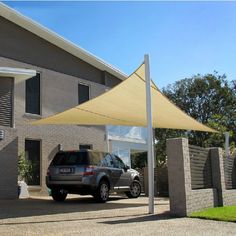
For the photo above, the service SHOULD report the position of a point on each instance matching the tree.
(209, 99)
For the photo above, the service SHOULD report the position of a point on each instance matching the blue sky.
(182, 38)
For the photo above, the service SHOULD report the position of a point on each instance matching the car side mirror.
(126, 167)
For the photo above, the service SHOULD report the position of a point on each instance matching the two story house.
(42, 74)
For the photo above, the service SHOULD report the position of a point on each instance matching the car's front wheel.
(102, 192)
(58, 195)
(135, 189)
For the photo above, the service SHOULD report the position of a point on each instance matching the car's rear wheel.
(59, 195)
(135, 190)
(102, 192)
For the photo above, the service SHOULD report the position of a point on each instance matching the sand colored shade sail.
(125, 104)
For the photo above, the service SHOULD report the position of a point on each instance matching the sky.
(182, 38)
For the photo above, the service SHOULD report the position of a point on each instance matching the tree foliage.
(25, 168)
(210, 99)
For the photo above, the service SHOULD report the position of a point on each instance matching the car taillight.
(89, 170)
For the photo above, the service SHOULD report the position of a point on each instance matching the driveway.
(81, 216)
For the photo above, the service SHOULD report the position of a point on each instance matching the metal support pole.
(149, 136)
(227, 151)
(107, 140)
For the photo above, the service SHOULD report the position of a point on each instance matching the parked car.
(90, 172)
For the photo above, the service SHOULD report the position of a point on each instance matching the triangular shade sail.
(125, 104)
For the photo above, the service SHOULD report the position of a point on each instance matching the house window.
(83, 91)
(32, 153)
(85, 146)
(32, 95)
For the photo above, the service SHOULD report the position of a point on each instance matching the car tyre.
(135, 190)
(58, 195)
(102, 192)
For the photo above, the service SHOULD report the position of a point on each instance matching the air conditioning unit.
(2, 134)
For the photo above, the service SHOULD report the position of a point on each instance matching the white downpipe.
(149, 137)
(227, 151)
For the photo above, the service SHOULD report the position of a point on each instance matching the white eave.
(57, 40)
(17, 73)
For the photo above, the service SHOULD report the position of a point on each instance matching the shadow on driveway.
(40, 207)
(163, 216)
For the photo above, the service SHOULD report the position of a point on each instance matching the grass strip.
(227, 213)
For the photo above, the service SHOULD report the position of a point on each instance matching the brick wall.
(58, 93)
(8, 164)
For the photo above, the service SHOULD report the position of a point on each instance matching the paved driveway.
(81, 216)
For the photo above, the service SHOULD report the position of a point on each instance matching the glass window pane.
(70, 158)
(32, 95)
(83, 93)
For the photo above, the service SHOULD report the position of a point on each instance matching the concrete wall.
(8, 164)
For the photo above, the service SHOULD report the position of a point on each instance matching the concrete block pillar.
(178, 174)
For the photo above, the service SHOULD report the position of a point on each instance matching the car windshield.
(70, 158)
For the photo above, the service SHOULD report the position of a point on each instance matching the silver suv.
(90, 172)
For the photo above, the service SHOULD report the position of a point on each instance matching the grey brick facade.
(8, 164)
(60, 74)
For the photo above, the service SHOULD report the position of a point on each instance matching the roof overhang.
(17, 73)
(57, 40)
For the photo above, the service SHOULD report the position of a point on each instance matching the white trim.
(59, 41)
(18, 73)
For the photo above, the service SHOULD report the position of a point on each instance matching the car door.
(113, 173)
(124, 178)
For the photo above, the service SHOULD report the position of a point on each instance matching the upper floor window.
(83, 92)
(32, 95)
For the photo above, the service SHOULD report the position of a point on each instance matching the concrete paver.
(82, 216)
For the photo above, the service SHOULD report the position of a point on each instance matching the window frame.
(89, 91)
(40, 96)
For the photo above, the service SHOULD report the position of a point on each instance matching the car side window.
(118, 163)
(107, 161)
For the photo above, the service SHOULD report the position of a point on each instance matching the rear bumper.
(79, 187)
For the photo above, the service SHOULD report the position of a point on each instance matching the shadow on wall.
(53, 152)
(8, 169)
